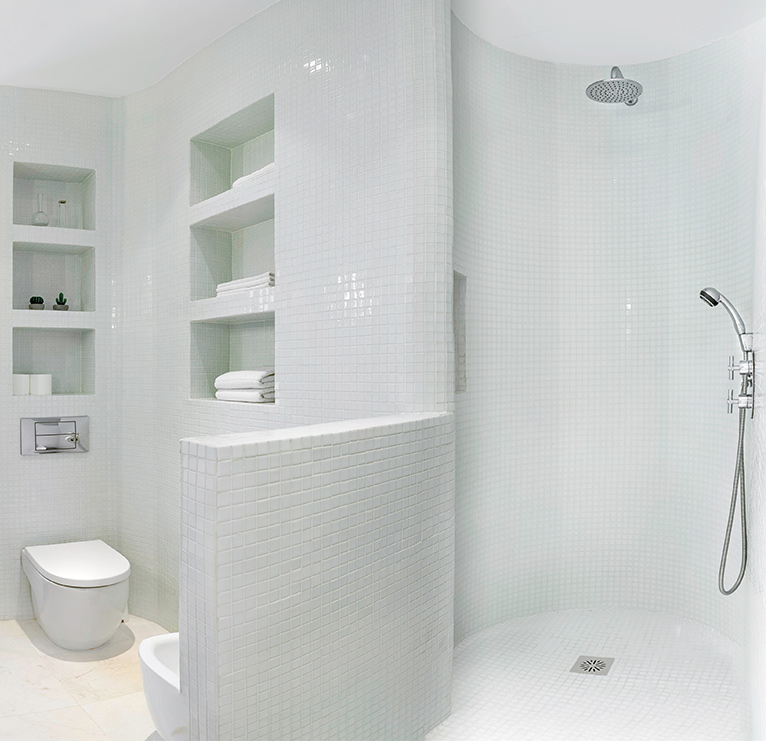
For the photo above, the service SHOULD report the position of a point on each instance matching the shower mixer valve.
(746, 369)
(743, 401)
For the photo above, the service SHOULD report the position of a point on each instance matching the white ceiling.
(115, 47)
(605, 33)
(108, 47)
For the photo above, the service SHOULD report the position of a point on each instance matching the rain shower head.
(712, 297)
(615, 90)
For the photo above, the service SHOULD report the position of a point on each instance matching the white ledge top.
(230, 440)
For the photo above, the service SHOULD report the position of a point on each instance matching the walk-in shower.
(745, 402)
(591, 495)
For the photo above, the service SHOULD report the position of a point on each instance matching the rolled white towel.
(248, 379)
(253, 175)
(250, 395)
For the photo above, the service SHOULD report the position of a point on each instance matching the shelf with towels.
(223, 344)
(224, 155)
(257, 303)
(231, 250)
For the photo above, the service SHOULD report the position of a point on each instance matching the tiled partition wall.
(362, 243)
(317, 580)
(595, 455)
(53, 498)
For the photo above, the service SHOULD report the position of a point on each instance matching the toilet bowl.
(79, 591)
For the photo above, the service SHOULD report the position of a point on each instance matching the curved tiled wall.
(594, 451)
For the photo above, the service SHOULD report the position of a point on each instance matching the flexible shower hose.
(737, 489)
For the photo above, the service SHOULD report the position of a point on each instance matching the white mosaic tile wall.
(755, 583)
(317, 580)
(594, 451)
(362, 244)
(49, 499)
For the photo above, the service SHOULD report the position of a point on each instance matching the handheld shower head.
(712, 297)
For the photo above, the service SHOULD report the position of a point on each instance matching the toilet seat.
(90, 563)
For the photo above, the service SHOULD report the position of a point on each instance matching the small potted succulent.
(37, 302)
(60, 304)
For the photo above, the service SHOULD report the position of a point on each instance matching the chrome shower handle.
(732, 368)
(731, 401)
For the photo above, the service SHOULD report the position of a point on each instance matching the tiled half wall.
(317, 580)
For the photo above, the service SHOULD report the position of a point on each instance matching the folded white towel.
(242, 284)
(253, 175)
(251, 395)
(248, 379)
(241, 289)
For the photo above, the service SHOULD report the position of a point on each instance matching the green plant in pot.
(60, 304)
(37, 302)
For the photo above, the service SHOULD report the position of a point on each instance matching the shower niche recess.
(66, 196)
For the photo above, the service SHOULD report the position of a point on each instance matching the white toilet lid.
(88, 563)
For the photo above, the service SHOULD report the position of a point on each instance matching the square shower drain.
(592, 665)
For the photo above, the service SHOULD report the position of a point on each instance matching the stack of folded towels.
(264, 280)
(250, 385)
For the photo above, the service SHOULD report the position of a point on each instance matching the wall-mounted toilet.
(79, 591)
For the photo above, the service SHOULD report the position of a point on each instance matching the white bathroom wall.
(362, 230)
(594, 451)
(317, 580)
(755, 583)
(54, 498)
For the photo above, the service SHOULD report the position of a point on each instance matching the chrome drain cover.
(592, 665)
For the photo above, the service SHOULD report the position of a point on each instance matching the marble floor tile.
(123, 718)
(27, 686)
(102, 673)
(92, 681)
(47, 692)
(66, 724)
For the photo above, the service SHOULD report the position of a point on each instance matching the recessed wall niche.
(67, 354)
(219, 346)
(240, 145)
(219, 256)
(49, 269)
(41, 187)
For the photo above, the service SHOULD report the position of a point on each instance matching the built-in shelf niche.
(75, 185)
(49, 269)
(219, 256)
(67, 354)
(219, 346)
(239, 145)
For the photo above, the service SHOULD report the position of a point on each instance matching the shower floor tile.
(49, 693)
(672, 680)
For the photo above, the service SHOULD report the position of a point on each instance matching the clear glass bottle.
(62, 214)
(40, 218)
